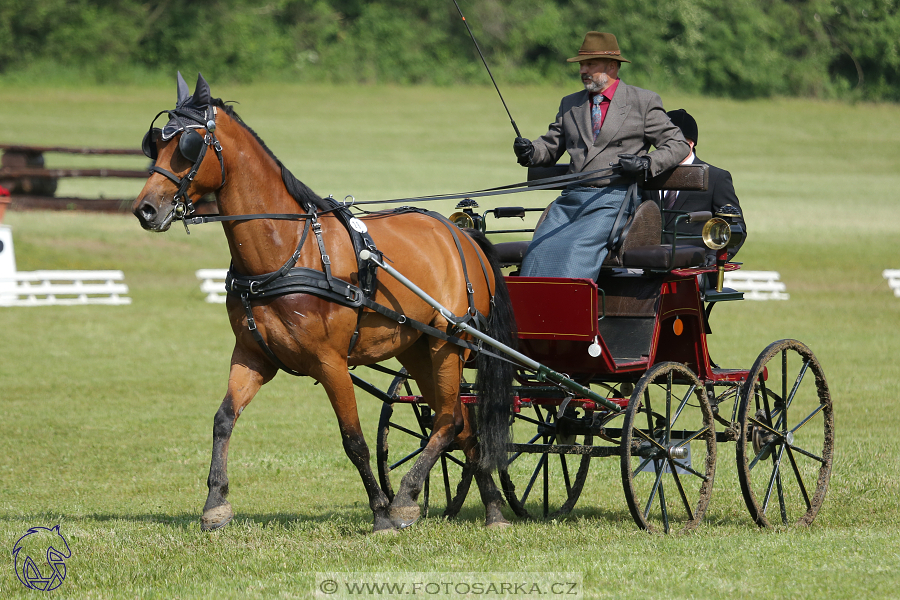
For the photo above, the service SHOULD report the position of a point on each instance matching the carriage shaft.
(545, 373)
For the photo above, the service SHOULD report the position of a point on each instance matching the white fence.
(47, 288)
(893, 278)
(212, 283)
(757, 285)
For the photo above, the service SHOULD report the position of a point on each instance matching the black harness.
(290, 279)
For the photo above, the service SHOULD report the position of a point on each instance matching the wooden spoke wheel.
(408, 425)
(550, 479)
(786, 444)
(668, 450)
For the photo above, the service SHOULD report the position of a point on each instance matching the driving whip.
(515, 127)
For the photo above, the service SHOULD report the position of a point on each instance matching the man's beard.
(593, 86)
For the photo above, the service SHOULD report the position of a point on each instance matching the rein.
(513, 188)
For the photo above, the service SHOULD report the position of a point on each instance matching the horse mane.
(298, 190)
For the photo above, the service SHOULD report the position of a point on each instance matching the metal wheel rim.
(540, 475)
(679, 498)
(794, 463)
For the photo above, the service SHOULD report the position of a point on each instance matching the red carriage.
(640, 385)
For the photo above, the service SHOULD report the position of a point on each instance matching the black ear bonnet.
(190, 114)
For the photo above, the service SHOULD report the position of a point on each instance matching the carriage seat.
(640, 247)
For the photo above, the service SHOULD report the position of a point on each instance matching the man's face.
(598, 73)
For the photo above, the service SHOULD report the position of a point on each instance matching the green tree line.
(737, 48)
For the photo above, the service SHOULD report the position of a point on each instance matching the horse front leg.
(243, 383)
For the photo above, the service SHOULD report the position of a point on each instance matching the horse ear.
(201, 92)
(183, 91)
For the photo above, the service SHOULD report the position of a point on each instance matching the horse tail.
(494, 380)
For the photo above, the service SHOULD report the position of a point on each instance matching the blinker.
(190, 144)
(148, 145)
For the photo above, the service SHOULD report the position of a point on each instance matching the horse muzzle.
(152, 217)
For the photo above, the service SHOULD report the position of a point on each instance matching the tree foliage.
(741, 48)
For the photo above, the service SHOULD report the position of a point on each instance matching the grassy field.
(107, 411)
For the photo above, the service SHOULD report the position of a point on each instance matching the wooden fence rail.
(33, 186)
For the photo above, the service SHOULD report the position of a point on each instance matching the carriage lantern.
(721, 233)
(467, 217)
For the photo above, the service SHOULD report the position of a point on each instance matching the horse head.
(184, 170)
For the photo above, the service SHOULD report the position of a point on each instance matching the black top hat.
(683, 120)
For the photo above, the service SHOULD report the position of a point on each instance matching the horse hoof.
(216, 518)
(404, 516)
(383, 525)
(386, 531)
(498, 525)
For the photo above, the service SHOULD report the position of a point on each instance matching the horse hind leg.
(243, 383)
(339, 387)
(440, 389)
(490, 494)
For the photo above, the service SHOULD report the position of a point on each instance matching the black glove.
(635, 166)
(524, 150)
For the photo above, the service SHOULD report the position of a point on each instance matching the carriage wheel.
(786, 445)
(409, 428)
(559, 477)
(668, 450)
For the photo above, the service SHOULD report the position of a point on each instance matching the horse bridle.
(192, 147)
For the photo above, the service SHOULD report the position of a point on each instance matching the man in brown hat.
(596, 126)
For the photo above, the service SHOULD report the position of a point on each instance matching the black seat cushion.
(661, 257)
(511, 253)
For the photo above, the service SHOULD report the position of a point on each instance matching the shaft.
(543, 371)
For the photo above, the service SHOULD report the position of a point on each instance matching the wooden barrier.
(757, 285)
(212, 283)
(893, 278)
(33, 186)
(48, 288)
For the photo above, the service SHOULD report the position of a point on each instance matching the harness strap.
(293, 280)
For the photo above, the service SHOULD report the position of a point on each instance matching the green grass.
(108, 410)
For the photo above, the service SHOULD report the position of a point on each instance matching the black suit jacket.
(719, 193)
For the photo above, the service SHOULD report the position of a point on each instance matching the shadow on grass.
(340, 516)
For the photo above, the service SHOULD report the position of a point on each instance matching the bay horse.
(324, 329)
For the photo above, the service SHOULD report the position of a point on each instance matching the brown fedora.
(598, 45)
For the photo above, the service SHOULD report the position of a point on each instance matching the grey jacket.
(634, 121)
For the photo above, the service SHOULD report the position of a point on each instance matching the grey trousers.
(571, 242)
